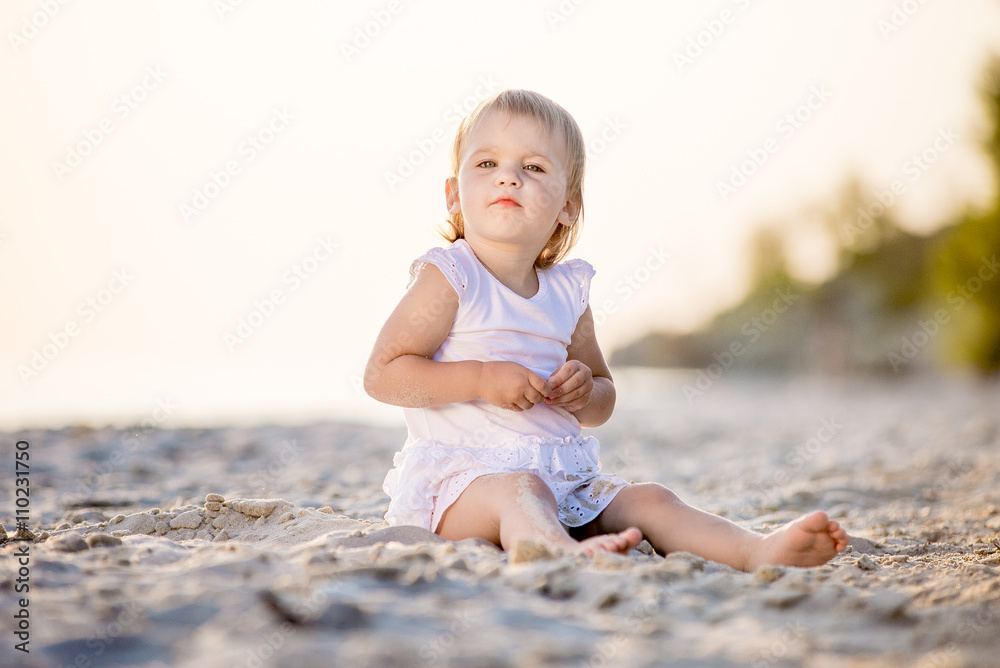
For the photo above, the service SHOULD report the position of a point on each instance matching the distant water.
(193, 396)
(200, 397)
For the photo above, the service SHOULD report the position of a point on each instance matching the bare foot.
(527, 548)
(620, 542)
(811, 540)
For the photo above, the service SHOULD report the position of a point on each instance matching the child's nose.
(507, 177)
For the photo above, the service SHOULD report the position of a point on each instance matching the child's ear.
(451, 195)
(570, 213)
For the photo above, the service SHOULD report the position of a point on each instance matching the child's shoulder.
(455, 261)
(458, 251)
(575, 267)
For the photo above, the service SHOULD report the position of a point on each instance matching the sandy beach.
(265, 546)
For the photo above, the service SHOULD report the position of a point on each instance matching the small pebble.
(285, 517)
(189, 520)
(768, 574)
(215, 498)
(326, 509)
(645, 548)
(161, 528)
(221, 536)
(71, 542)
(611, 561)
(116, 519)
(255, 507)
(63, 526)
(866, 564)
(140, 523)
(214, 506)
(103, 540)
(89, 515)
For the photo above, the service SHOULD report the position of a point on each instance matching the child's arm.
(583, 385)
(400, 370)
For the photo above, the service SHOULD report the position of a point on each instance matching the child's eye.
(534, 168)
(487, 163)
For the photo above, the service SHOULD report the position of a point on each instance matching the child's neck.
(514, 268)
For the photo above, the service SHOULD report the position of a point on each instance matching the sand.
(265, 546)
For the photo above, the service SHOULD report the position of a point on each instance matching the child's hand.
(512, 386)
(571, 384)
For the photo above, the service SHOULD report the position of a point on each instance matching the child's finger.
(575, 381)
(561, 375)
(569, 397)
(539, 389)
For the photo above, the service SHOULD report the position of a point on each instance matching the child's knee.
(653, 493)
(525, 481)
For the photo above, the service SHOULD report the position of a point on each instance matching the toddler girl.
(492, 354)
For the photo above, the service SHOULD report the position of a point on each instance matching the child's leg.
(670, 525)
(506, 507)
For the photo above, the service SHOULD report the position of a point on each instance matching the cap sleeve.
(450, 265)
(581, 272)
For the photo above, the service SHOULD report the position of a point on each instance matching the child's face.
(511, 184)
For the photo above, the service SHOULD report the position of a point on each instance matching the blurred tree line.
(897, 301)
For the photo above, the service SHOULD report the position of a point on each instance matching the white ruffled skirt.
(428, 477)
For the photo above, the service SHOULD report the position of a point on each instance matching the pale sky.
(168, 169)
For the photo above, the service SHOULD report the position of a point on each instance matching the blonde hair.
(555, 119)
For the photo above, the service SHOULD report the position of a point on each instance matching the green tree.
(965, 271)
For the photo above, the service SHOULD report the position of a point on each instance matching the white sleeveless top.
(494, 323)
(449, 446)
